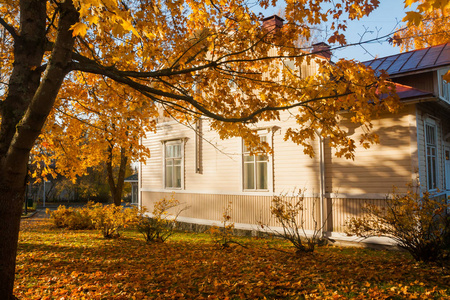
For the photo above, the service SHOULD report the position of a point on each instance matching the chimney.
(273, 23)
(322, 49)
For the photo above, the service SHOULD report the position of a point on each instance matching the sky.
(381, 22)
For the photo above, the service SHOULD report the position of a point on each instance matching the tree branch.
(9, 28)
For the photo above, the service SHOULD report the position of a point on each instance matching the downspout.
(139, 179)
(321, 183)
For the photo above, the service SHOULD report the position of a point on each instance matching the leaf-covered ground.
(62, 264)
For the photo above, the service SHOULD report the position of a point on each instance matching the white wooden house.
(206, 173)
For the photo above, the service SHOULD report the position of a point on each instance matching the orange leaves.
(76, 265)
(424, 24)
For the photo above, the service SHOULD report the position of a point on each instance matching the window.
(444, 86)
(431, 153)
(134, 193)
(255, 169)
(173, 160)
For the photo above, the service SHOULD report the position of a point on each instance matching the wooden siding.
(252, 210)
(246, 209)
(377, 169)
(343, 209)
(433, 114)
(423, 81)
(221, 162)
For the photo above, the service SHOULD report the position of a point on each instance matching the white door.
(447, 167)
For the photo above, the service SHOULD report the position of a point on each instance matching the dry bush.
(291, 214)
(419, 224)
(223, 235)
(161, 225)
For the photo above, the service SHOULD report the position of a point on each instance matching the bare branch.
(9, 28)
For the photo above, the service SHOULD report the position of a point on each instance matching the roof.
(406, 92)
(416, 60)
(132, 178)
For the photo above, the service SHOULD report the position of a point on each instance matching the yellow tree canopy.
(428, 25)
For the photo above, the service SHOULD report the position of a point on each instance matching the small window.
(255, 169)
(444, 86)
(431, 156)
(173, 160)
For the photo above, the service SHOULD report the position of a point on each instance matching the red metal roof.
(416, 60)
(407, 92)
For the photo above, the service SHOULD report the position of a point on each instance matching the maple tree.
(426, 26)
(89, 130)
(189, 58)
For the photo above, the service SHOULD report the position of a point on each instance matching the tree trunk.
(24, 111)
(10, 210)
(117, 188)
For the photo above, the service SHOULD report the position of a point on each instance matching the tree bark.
(116, 188)
(24, 111)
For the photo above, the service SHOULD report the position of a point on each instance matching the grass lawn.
(62, 264)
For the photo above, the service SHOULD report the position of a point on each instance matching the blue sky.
(381, 22)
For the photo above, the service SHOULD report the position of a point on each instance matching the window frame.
(431, 154)
(444, 87)
(165, 159)
(269, 166)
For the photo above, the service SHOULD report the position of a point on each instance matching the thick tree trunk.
(10, 211)
(116, 188)
(23, 112)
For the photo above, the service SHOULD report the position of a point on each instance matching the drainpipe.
(321, 183)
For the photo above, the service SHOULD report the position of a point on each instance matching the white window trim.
(268, 132)
(180, 141)
(431, 122)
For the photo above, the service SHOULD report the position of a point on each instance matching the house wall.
(423, 81)
(349, 183)
(375, 171)
(436, 115)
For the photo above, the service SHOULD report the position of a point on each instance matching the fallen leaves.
(62, 264)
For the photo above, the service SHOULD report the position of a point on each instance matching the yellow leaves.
(409, 2)
(446, 77)
(412, 18)
(92, 19)
(79, 29)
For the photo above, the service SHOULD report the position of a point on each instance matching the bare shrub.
(161, 225)
(223, 235)
(290, 212)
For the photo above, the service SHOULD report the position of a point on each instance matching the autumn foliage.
(419, 224)
(136, 61)
(110, 219)
(57, 263)
(71, 218)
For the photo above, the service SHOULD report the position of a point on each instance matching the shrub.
(291, 214)
(223, 235)
(71, 218)
(420, 225)
(111, 219)
(161, 225)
